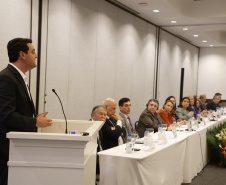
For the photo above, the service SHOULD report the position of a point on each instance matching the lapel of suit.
(21, 81)
(127, 124)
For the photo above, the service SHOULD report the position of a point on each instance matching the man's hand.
(116, 117)
(43, 121)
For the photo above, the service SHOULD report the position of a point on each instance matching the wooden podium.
(51, 157)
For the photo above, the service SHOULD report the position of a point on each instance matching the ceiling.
(205, 18)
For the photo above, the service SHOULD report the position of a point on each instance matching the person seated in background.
(197, 105)
(165, 113)
(149, 118)
(220, 96)
(125, 108)
(191, 106)
(99, 113)
(182, 111)
(112, 131)
(202, 100)
(173, 114)
(213, 104)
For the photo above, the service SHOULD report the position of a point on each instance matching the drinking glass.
(164, 127)
(179, 123)
(134, 138)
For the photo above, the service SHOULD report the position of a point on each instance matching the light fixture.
(204, 41)
(185, 29)
(174, 22)
(195, 35)
(143, 4)
(211, 45)
(156, 11)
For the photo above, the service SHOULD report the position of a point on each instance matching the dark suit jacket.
(109, 138)
(202, 106)
(212, 106)
(16, 107)
(146, 120)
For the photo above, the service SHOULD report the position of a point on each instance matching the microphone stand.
(62, 109)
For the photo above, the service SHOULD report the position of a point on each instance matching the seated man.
(99, 113)
(149, 118)
(112, 131)
(213, 104)
(202, 100)
(125, 108)
(220, 96)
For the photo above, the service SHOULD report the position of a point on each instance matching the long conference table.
(178, 161)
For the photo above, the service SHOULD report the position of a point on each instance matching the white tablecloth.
(179, 160)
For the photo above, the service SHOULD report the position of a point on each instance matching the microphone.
(62, 109)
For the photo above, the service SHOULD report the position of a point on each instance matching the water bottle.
(174, 123)
(129, 144)
(146, 137)
(174, 128)
(189, 125)
(160, 132)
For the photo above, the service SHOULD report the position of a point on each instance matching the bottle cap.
(129, 134)
(147, 129)
(73, 132)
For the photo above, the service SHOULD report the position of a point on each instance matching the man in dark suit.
(112, 131)
(202, 100)
(220, 96)
(17, 112)
(99, 113)
(213, 104)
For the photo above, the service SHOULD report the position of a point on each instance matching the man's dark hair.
(152, 100)
(218, 94)
(96, 107)
(16, 45)
(122, 101)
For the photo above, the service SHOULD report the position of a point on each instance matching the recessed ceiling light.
(211, 45)
(143, 4)
(173, 22)
(156, 11)
(195, 35)
(185, 29)
(204, 41)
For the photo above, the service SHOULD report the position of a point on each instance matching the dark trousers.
(4, 157)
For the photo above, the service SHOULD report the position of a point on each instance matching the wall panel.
(212, 74)
(96, 50)
(174, 55)
(14, 23)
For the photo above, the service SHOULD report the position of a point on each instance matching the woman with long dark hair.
(182, 111)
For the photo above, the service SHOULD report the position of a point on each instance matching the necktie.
(130, 124)
(31, 100)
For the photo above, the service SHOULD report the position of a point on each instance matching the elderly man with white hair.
(112, 131)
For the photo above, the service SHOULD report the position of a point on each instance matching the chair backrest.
(136, 124)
